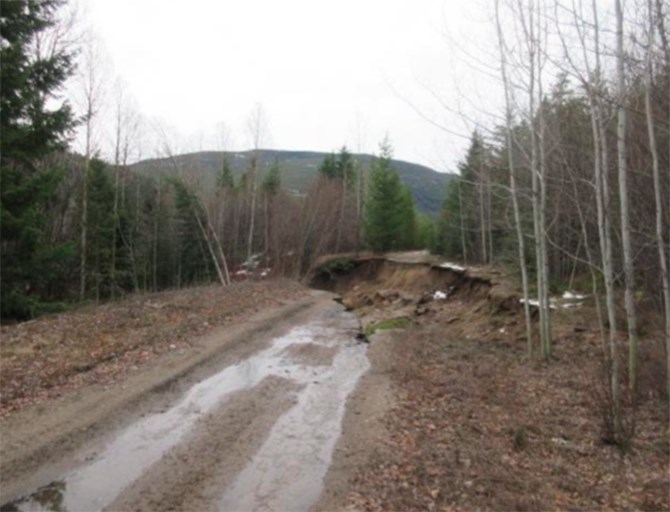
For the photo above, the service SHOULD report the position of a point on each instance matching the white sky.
(324, 71)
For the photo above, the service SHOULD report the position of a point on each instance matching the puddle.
(288, 470)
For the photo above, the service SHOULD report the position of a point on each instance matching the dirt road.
(248, 420)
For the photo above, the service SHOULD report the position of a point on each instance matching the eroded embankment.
(383, 290)
(462, 393)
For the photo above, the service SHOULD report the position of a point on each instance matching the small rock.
(387, 294)
(420, 311)
(426, 297)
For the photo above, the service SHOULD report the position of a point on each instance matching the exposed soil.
(222, 443)
(312, 354)
(45, 430)
(246, 418)
(450, 415)
(476, 425)
(55, 355)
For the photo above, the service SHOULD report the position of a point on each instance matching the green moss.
(392, 323)
(337, 266)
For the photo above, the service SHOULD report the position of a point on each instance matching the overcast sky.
(327, 73)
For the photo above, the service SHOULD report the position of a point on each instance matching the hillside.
(300, 167)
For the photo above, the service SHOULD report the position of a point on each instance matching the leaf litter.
(99, 344)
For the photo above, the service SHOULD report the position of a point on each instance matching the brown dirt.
(51, 356)
(191, 476)
(311, 354)
(364, 429)
(476, 425)
(48, 433)
(451, 415)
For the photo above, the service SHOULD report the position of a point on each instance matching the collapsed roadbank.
(470, 422)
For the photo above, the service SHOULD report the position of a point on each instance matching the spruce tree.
(32, 128)
(329, 166)
(100, 228)
(386, 208)
(225, 179)
(272, 180)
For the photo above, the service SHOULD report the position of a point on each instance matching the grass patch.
(392, 323)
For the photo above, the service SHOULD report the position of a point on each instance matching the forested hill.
(298, 168)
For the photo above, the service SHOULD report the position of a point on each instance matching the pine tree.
(100, 228)
(272, 180)
(409, 220)
(329, 167)
(194, 260)
(270, 186)
(31, 128)
(450, 235)
(225, 178)
(387, 206)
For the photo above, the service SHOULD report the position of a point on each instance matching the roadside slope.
(472, 424)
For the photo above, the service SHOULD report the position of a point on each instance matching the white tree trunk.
(631, 318)
(513, 187)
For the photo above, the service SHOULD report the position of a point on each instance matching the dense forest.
(569, 186)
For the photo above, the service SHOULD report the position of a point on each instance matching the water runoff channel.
(286, 473)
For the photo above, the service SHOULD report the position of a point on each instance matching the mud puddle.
(286, 473)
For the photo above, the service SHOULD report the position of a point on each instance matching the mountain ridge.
(299, 168)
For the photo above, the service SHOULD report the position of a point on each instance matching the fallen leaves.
(48, 357)
(476, 426)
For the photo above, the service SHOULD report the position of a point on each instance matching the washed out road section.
(302, 379)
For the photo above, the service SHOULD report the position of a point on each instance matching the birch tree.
(257, 128)
(631, 318)
(512, 178)
(532, 35)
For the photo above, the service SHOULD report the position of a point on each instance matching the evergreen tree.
(272, 181)
(225, 179)
(100, 227)
(449, 241)
(339, 167)
(32, 128)
(425, 232)
(329, 167)
(194, 261)
(409, 220)
(345, 166)
(470, 171)
(387, 206)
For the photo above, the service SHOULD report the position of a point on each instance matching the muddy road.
(249, 421)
